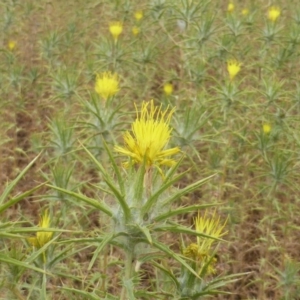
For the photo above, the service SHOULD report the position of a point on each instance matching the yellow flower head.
(209, 226)
(116, 29)
(194, 252)
(42, 237)
(200, 252)
(150, 135)
(230, 7)
(168, 89)
(107, 85)
(273, 13)
(138, 15)
(135, 30)
(267, 128)
(11, 45)
(233, 67)
(245, 11)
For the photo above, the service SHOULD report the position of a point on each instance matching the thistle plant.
(45, 252)
(42, 237)
(125, 194)
(233, 68)
(61, 139)
(272, 28)
(103, 108)
(188, 126)
(273, 13)
(13, 230)
(201, 256)
(168, 89)
(230, 7)
(116, 29)
(264, 137)
(107, 85)
(11, 45)
(65, 84)
(143, 197)
(49, 46)
(138, 15)
(229, 91)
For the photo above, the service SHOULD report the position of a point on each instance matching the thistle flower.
(245, 11)
(233, 67)
(209, 226)
(273, 13)
(138, 15)
(135, 30)
(267, 128)
(150, 135)
(200, 252)
(168, 89)
(230, 7)
(42, 237)
(11, 45)
(116, 29)
(107, 85)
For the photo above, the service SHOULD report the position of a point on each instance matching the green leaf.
(146, 233)
(182, 210)
(18, 198)
(12, 261)
(175, 256)
(152, 200)
(106, 240)
(11, 186)
(87, 295)
(109, 182)
(177, 228)
(100, 206)
(212, 287)
(40, 251)
(167, 272)
(192, 187)
(115, 167)
(172, 171)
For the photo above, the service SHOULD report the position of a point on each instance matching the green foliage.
(121, 229)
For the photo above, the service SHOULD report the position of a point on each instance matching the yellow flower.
(138, 15)
(209, 226)
(230, 7)
(245, 11)
(135, 30)
(273, 13)
(42, 237)
(11, 45)
(116, 29)
(168, 89)
(150, 135)
(107, 85)
(201, 252)
(233, 67)
(267, 128)
(193, 252)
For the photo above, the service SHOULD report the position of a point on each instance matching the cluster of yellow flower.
(273, 12)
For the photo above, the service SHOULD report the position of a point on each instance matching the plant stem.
(44, 285)
(128, 272)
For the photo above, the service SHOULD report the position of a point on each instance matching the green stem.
(128, 272)
(44, 284)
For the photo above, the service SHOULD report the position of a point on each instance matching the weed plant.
(149, 149)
